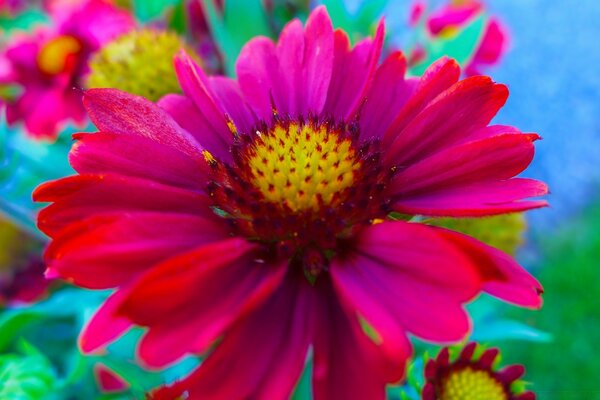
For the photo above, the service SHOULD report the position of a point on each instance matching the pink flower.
(108, 380)
(455, 15)
(49, 64)
(249, 219)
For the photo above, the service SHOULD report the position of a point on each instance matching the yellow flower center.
(56, 56)
(302, 167)
(472, 384)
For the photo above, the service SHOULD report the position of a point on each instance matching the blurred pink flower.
(48, 65)
(448, 19)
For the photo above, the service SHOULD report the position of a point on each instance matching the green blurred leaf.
(27, 375)
(506, 329)
(240, 21)
(23, 21)
(147, 10)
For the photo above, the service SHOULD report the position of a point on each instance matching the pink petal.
(112, 110)
(201, 292)
(387, 94)
(467, 106)
(295, 74)
(353, 71)
(105, 251)
(347, 363)
(79, 196)
(264, 352)
(136, 156)
(496, 158)
(504, 278)
(229, 95)
(477, 199)
(104, 327)
(213, 133)
(439, 77)
(402, 277)
(258, 74)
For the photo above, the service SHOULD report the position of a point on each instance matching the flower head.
(139, 62)
(248, 220)
(48, 65)
(471, 377)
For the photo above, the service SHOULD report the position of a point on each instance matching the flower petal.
(277, 333)
(387, 94)
(112, 110)
(460, 110)
(104, 327)
(213, 133)
(79, 196)
(201, 292)
(496, 158)
(439, 77)
(347, 363)
(503, 277)
(136, 156)
(475, 200)
(353, 71)
(404, 277)
(104, 251)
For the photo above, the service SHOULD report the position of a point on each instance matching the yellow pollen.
(55, 55)
(472, 384)
(296, 165)
(208, 157)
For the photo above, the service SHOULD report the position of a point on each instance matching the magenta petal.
(112, 110)
(105, 326)
(229, 95)
(460, 110)
(264, 352)
(347, 363)
(201, 292)
(404, 274)
(104, 251)
(477, 199)
(353, 71)
(136, 156)
(214, 133)
(294, 75)
(439, 77)
(77, 197)
(503, 277)
(387, 94)
(496, 158)
(258, 74)
(317, 62)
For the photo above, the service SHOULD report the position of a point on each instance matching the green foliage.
(360, 23)
(240, 21)
(23, 21)
(25, 163)
(147, 10)
(568, 367)
(26, 375)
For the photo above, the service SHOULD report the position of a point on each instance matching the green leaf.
(27, 375)
(241, 21)
(23, 21)
(147, 10)
(506, 329)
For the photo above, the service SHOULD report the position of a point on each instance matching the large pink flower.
(248, 220)
(48, 64)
